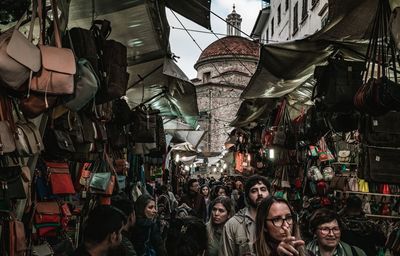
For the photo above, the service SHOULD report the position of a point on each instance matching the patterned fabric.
(359, 224)
(314, 248)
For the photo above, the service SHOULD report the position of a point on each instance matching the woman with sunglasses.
(277, 230)
(325, 224)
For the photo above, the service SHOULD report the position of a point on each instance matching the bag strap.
(56, 23)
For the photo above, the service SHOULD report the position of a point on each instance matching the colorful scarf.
(314, 248)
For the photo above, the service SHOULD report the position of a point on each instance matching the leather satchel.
(60, 178)
(113, 66)
(58, 144)
(28, 139)
(99, 182)
(58, 66)
(86, 86)
(18, 56)
(47, 218)
(19, 234)
(11, 183)
(34, 105)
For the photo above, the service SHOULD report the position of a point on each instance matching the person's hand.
(289, 244)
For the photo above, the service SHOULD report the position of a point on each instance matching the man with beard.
(238, 235)
(99, 235)
(194, 199)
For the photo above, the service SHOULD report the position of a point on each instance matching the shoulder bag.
(18, 56)
(56, 77)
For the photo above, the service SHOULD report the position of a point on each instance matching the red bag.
(47, 218)
(60, 178)
(66, 215)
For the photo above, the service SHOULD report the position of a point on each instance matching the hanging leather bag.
(58, 65)
(86, 82)
(60, 178)
(18, 56)
(11, 183)
(47, 218)
(28, 139)
(7, 127)
(113, 63)
(34, 105)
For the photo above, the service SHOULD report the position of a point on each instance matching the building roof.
(229, 46)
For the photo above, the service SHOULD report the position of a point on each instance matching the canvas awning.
(142, 26)
(167, 89)
(285, 67)
(193, 137)
(195, 10)
(252, 110)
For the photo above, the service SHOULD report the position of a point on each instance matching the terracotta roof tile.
(230, 45)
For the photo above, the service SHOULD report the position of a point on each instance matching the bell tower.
(234, 22)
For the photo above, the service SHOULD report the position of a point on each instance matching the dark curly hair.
(187, 237)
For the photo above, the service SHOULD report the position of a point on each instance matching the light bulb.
(271, 153)
(177, 157)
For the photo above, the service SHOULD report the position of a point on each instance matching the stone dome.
(229, 46)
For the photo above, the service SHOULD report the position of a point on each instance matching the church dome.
(230, 46)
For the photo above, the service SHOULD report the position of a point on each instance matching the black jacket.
(144, 232)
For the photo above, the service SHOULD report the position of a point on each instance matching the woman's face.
(279, 221)
(328, 234)
(239, 185)
(219, 214)
(150, 210)
(221, 192)
(205, 191)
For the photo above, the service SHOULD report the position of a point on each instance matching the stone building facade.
(224, 69)
(285, 20)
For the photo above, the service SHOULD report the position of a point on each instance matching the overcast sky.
(184, 47)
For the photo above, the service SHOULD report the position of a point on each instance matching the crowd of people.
(227, 218)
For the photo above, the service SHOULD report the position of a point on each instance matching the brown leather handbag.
(35, 105)
(58, 65)
(7, 127)
(28, 139)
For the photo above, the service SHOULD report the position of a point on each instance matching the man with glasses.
(238, 235)
(326, 227)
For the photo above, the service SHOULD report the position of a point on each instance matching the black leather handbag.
(11, 183)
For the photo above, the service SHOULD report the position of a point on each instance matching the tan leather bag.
(18, 55)
(58, 65)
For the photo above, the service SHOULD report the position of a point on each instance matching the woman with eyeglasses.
(325, 224)
(277, 231)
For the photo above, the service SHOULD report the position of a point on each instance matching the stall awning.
(252, 110)
(142, 26)
(284, 67)
(193, 137)
(165, 88)
(195, 10)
